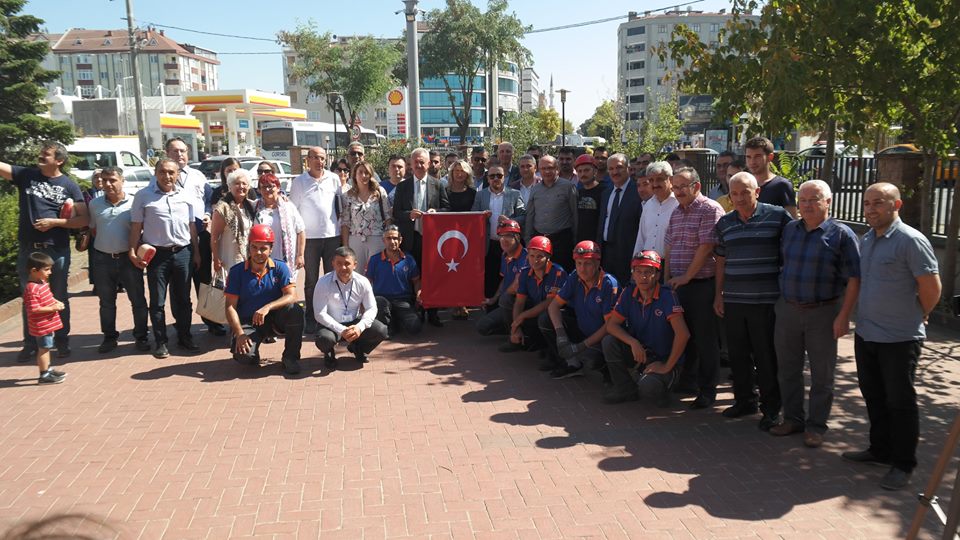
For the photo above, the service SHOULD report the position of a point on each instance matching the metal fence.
(852, 175)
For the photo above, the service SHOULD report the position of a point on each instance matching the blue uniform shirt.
(255, 291)
(539, 290)
(649, 322)
(510, 267)
(591, 302)
(392, 280)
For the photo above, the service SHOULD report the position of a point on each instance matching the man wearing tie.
(421, 194)
(620, 209)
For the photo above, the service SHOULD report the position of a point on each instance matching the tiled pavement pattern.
(443, 438)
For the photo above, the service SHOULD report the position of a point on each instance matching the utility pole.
(413, 71)
(137, 91)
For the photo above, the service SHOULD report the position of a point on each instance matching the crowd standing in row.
(598, 262)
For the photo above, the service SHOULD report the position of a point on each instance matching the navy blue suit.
(617, 249)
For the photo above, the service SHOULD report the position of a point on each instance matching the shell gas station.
(232, 115)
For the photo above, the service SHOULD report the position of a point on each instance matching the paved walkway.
(443, 438)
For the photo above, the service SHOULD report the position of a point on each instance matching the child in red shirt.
(43, 314)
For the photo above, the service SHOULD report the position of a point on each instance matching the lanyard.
(343, 299)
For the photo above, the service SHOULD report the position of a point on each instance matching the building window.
(659, 81)
(661, 29)
(638, 98)
(635, 82)
(83, 58)
(84, 75)
(632, 116)
(695, 27)
(444, 116)
(507, 86)
(714, 27)
(636, 31)
(87, 91)
(639, 47)
(154, 59)
(104, 75)
(440, 99)
(640, 64)
(293, 96)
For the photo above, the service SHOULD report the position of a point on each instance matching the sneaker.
(291, 366)
(740, 409)
(48, 377)
(142, 345)
(57, 372)
(865, 456)
(895, 479)
(330, 361)
(161, 351)
(108, 345)
(270, 339)
(26, 355)
(566, 372)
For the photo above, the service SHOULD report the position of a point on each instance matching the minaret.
(551, 91)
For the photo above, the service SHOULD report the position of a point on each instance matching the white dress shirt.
(653, 223)
(496, 209)
(317, 200)
(336, 303)
(193, 181)
(420, 199)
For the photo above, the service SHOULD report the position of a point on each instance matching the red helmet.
(647, 258)
(261, 233)
(586, 250)
(541, 243)
(508, 226)
(584, 159)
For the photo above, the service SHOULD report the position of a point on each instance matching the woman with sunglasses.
(366, 211)
(286, 222)
(461, 192)
(342, 168)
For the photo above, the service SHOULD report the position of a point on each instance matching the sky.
(583, 60)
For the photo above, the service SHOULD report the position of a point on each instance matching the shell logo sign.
(395, 97)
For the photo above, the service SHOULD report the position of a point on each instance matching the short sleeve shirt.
(166, 216)
(538, 290)
(255, 291)
(888, 310)
(591, 302)
(511, 267)
(778, 191)
(649, 322)
(112, 223)
(392, 279)
(41, 198)
(38, 295)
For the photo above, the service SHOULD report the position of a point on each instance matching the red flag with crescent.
(453, 254)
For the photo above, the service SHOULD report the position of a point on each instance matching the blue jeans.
(175, 270)
(111, 272)
(58, 286)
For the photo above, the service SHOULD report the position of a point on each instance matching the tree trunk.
(950, 253)
(926, 193)
(826, 173)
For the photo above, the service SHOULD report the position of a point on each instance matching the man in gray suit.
(414, 197)
(498, 203)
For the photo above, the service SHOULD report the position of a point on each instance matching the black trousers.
(173, 270)
(750, 347)
(286, 322)
(398, 313)
(562, 242)
(886, 372)
(366, 343)
(491, 268)
(702, 355)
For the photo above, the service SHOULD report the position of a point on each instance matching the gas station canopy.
(232, 106)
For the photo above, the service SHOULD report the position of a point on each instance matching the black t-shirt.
(461, 201)
(588, 211)
(778, 191)
(42, 197)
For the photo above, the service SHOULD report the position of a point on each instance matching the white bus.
(276, 137)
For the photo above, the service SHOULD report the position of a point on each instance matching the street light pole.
(413, 71)
(137, 92)
(500, 117)
(563, 113)
(333, 99)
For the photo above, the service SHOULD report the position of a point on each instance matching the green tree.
(606, 122)
(360, 69)
(663, 128)
(462, 41)
(21, 88)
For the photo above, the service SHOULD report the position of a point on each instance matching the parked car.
(87, 161)
(210, 167)
(846, 166)
(946, 170)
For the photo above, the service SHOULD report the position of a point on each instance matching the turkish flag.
(453, 253)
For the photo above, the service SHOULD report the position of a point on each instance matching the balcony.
(173, 65)
(172, 82)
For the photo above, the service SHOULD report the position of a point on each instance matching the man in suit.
(620, 209)
(498, 203)
(415, 196)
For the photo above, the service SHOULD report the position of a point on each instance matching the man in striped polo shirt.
(748, 272)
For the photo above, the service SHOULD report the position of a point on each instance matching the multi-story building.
(529, 90)
(644, 79)
(87, 59)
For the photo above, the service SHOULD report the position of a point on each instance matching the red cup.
(146, 252)
(66, 211)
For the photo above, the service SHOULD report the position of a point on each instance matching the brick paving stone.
(438, 438)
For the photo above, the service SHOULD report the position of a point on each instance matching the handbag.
(82, 242)
(211, 304)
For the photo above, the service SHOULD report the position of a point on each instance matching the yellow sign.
(395, 97)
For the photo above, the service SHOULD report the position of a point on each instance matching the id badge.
(346, 316)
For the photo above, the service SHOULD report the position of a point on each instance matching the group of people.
(597, 262)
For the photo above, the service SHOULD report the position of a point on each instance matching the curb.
(13, 308)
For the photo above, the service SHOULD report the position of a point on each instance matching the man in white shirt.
(528, 176)
(316, 194)
(657, 209)
(346, 309)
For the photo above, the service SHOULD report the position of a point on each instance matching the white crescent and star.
(452, 265)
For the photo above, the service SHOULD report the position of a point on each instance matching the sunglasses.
(343, 170)
(493, 176)
(264, 171)
(480, 159)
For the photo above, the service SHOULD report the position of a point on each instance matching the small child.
(43, 317)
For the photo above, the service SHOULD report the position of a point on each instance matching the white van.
(91, 153)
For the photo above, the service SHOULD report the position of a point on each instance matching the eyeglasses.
(494, 176)
(681, 187)
(356, 154)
